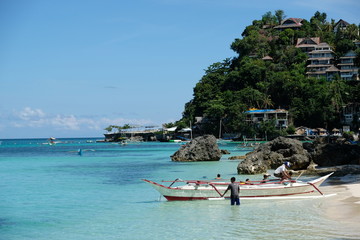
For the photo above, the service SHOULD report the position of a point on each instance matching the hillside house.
(292, 23)
(307, 44)
(348, 70)
(321, 59)
(341, 25)
(255, 116)
(351, 115)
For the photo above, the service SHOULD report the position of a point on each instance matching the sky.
(72, 68)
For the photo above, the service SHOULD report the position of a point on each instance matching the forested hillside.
(234, 85)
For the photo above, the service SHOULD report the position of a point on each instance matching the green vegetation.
(230, 87)
(119, 128)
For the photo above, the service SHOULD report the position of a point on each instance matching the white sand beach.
(344, 207)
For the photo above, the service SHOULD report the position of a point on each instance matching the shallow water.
(51, 192)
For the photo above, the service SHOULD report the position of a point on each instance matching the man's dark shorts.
(235, 200)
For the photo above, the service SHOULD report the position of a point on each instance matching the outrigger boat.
(211, 190)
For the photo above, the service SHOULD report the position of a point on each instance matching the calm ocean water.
(51, 192)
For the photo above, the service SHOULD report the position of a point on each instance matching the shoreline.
(345, 205)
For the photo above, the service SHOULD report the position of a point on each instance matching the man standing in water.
(235, 190)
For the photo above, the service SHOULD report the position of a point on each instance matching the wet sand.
(344, 207)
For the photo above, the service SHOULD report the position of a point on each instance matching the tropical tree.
(266, 102)
(279, 14)
(109, 128)
(269, 19)
(268, 130)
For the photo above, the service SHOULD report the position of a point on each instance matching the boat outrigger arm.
(317, 189)
(216, 189)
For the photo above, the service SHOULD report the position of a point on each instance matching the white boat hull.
(210, 190)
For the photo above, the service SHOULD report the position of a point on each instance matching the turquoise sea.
(52, 192)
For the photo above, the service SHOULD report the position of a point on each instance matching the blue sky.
(72, 68)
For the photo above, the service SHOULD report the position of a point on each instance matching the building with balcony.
(321, 62)
(351, 116)
(256, 116)
(348, 70)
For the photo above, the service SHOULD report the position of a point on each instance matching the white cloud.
(65, 122)
(27, 113)
(37, 119)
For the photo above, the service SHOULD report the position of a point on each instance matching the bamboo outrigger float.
(209, 190)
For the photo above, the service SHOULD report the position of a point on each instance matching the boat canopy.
(170, 129)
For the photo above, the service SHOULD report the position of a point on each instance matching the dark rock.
(326, 155)
(339, 171)
(249, 167)
(272, 154)
(343, 158)
(202, 148)
(224, 151)
(236, 157)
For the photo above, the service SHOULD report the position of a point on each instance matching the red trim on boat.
(176, 198)
(145, 180)
(279, 195)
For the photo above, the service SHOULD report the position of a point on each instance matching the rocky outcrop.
(224, 151)
(339, 171)
(333, 154)
(272, 154)
(236, 157)
(202, 148)
(301, 156)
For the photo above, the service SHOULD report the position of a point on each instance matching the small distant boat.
(208, 190)
(51, 141)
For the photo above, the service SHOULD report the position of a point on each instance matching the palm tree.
(352, 31)
(335, 92)
(267, 102)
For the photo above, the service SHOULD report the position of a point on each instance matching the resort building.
(321, 58)
(321, 62)
(292, 23)
(351, 115)
(348, 70)
(255, 116)
(340, 25)
(307, 44)
(357, 43)
(331, 73)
